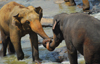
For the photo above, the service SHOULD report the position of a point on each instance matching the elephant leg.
(91, 54)
(4, 39)
(86, 5)
(87, 55)
(1, 42)
(72, 3)
(66, 0)
(11, 49)
(72, 56)
(34, 45)
(5, 43)
(72, 53)
(16, 41)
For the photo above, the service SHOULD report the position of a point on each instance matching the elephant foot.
(38, 61)
(72, 4)
(4, 54)
(86, 8)
(21, 57)
(66, 0)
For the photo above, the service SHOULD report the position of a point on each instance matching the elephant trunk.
(48, 44)
(37, 28)
(51, 45)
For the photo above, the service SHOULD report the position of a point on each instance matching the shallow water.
(44, 54)
(50, 8)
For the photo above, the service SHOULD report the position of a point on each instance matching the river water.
(50, 8)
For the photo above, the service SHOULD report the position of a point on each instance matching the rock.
(46, 22)
(95, 9)
(96, 15)
(60, 54)
(59, 1)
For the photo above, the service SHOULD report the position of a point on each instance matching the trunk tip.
(48, 47)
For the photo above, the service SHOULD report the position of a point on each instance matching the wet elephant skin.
(81, 33)
(16, 21)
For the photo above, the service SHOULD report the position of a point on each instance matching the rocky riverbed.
(50, 8)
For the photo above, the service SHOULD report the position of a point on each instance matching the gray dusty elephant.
(81, 32)
(86, 5)
(16, 21)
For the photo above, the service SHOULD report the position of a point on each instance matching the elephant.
(16, 21)
(81, 33)
(86, 5)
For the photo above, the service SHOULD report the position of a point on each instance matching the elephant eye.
(27, 22)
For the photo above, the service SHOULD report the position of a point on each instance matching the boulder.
(59, 1)
(46, 22)
(60, 54)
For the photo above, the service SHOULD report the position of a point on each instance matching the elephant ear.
(39, 11)
(16, 20)
(55, 25)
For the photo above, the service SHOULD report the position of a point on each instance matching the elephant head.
(57, 37)
(28, 20)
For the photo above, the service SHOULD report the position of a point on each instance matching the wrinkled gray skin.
(81, 33)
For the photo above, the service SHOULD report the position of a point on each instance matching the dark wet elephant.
(86, 5)
(16, 21)
(81, 32)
